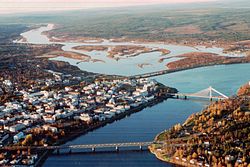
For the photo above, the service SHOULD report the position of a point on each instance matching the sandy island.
(72, 55)
(120, 51)
(90, 48)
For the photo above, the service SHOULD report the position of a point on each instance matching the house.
(86, 118)
(48, 119)
(50, 128)
(16, 128)
(18, 136)
(68, 89)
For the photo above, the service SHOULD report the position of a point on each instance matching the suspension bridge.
(208, 93)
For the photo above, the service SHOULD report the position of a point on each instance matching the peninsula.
(217, 136)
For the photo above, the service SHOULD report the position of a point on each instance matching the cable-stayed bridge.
(208, 93)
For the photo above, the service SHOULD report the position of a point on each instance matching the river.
(125, 66)
(144, 125)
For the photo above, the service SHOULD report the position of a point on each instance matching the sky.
(20, 6)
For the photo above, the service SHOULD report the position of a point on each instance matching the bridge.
(156, 73)
(208, 93)
(93, 147)
(90, 147)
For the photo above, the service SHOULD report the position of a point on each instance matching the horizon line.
(13, 10)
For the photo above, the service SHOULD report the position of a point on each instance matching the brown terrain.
(216, 136)
(244, 90)
(190, 29)
(70, 38)
(23, 65)
(181, 30)
(121, 51)
(187, 29)
(199, 59)
(91, 48)
(132, 51)
(72, 55)
(242, 47)
(164, 58)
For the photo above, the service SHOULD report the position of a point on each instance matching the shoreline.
(207, 137)
(45, 155)
(98, 125)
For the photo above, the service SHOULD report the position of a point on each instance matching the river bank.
(92, 127)
(133, 71)
(202, 135)
(144, 125)
(199, 59)
(97, 52)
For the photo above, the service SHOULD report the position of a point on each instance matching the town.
(50, 111)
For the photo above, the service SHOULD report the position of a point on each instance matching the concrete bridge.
(153, 74)
(88, 147)
(161, 72)
(92, 147)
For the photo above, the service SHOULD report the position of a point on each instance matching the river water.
(125, 66)
(144, 125)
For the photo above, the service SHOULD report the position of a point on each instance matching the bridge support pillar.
(185, 97)
(93, 149)
(117, 148)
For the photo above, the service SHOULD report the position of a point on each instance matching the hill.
(218, 136)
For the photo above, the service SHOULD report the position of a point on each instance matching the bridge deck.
(156, 73)
(80, 146)
(198, 96)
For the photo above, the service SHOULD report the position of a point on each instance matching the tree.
(194, 155)
(27, 140)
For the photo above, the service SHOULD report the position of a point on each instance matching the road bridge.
(91, 147)
(153, 74)
(208, 93)
(80, 146)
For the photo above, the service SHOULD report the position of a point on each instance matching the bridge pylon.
(210, 93)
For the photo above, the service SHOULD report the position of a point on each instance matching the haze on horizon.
(22, 6)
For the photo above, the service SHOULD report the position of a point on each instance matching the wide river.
(144, 125)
